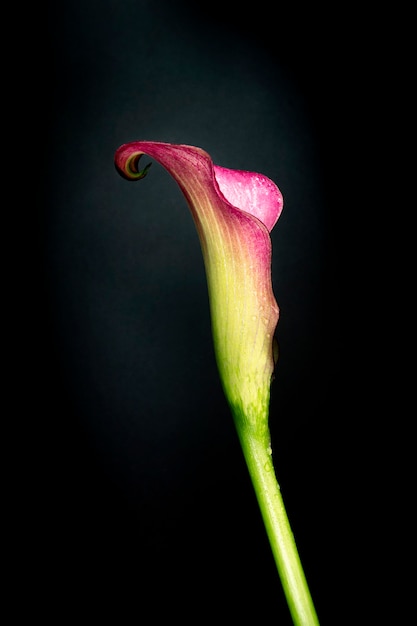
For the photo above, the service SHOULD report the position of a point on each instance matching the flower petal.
(233, 211)
(254, 193)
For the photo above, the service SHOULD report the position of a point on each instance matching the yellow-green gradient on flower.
(234, 212)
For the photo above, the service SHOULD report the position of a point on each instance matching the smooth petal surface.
(234, 212)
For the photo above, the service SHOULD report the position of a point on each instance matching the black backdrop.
(145, 508)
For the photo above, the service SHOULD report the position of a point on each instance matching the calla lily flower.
(234, 212)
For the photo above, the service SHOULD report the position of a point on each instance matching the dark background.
(143, 507)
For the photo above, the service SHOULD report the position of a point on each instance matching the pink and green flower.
(234, 212)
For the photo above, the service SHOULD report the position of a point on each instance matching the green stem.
(259, 462)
